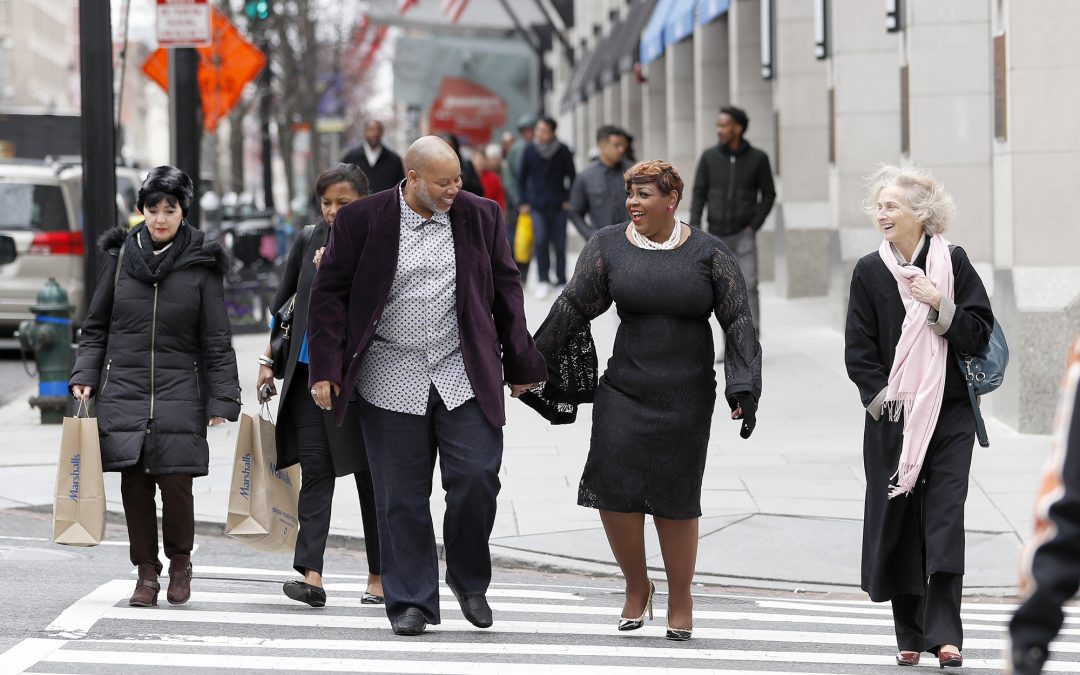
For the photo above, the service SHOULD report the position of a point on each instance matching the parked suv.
(39, 210)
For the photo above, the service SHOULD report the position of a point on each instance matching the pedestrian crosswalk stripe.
(492, 647)
(300, 664)
(756, 631)
(1003, 617)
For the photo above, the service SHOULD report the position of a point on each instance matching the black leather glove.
(746, 410)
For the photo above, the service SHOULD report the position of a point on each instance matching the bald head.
(427, 152)
(432, 176)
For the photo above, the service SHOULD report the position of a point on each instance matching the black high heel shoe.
(634, 624)
(679, 634)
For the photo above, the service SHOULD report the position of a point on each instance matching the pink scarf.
(917, 378)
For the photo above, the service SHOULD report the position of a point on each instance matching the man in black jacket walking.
(735, 181)
(381, 165)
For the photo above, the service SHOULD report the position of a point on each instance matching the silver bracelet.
(266, 361)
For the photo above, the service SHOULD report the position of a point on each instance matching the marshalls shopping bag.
(262, 500)
(79, 502)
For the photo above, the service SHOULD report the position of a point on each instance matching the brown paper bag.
(262, 500)
(79, 500)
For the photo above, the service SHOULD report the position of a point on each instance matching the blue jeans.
(549, 229)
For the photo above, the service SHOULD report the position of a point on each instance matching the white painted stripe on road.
(885, 611)
(888, 642)
(295, 664)
(325, 620)
(977, 606)
(492, 592)
(286, 574)
(28, 652)
(47, 540)
(77, 619)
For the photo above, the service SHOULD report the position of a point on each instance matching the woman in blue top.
(307, 434)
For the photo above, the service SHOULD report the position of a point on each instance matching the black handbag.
(984, 372)
(281, 336)
(281, 333)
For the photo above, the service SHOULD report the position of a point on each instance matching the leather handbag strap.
(119, 265)
(980, 425)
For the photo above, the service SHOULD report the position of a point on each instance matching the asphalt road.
(65, 610)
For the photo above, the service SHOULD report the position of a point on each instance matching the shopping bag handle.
(82, 408)
(265, 411)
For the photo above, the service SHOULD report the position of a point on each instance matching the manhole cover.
(17, 553)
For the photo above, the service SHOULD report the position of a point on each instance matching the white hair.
(493, 151)
(932, 205)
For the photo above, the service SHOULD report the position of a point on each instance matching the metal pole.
(264, 124)
(185, 118)
(98, 141)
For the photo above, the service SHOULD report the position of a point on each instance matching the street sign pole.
(185, 125)
(264, 126)
(98, 140)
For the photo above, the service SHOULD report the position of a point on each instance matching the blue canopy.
(709, 10)
(680, 21)
(652, 38)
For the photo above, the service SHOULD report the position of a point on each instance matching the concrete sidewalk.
(782, 509)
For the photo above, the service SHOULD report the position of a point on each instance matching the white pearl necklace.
(642, 241)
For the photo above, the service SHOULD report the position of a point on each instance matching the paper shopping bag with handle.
(262, 500)
(79, 501)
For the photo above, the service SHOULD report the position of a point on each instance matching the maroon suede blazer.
(352, 286)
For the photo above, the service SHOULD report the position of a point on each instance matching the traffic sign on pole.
(225, 68)
(183, 23)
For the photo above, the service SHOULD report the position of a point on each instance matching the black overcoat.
(160, 359)
(908, 538)
(346, 441)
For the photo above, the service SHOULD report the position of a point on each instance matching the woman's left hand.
(923, 290)
(318, 256)
(214, 421)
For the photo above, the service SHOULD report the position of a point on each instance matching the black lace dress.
(653, 406)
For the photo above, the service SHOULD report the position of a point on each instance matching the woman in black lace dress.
(653, 406)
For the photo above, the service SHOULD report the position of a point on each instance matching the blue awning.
(708, 10)
(680, 21)
(652, 38)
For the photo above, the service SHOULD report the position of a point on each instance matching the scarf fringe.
(898, 408)
(908, 477)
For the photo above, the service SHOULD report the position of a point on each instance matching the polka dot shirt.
(417, 343)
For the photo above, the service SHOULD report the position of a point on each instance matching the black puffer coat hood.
(159, 357)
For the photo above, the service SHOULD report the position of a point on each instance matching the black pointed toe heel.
(634, 624)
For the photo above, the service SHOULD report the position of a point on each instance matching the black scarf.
(140, 261)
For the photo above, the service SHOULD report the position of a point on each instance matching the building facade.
(39, 55)
(976, 91)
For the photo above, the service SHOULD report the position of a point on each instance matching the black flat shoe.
(371, 599)
(475, 608)
(304, 592)
(411, 623)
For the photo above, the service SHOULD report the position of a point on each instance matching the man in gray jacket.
(599, 191)
(735, 181)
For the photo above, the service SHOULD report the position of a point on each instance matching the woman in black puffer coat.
(156, 355)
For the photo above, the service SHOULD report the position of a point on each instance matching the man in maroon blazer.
(417, 312)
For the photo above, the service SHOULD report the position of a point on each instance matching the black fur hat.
(167, 180)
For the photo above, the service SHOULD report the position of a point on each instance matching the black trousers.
(137, 490)
(317, 489)
(402, 450)
(925, 622)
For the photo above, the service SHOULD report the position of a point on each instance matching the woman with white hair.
(915, 303)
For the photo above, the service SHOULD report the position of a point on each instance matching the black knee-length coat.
(908, 538)
(347, 441)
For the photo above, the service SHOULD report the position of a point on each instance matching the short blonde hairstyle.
(657, 171)
(926, 197)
